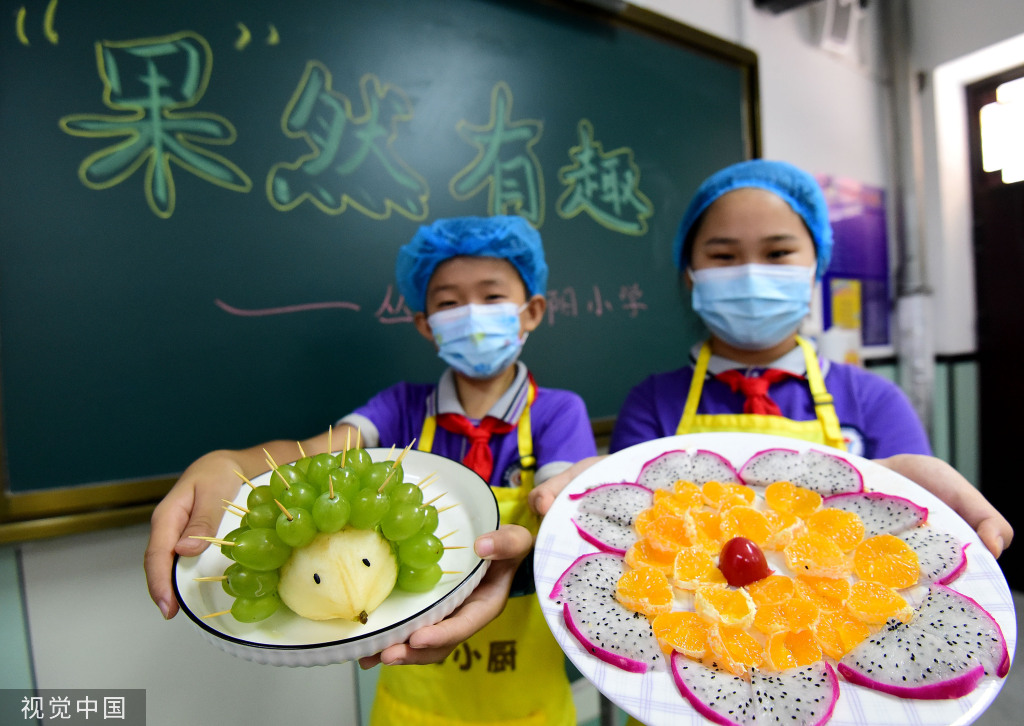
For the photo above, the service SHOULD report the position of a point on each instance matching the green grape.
(284, 476)
(330, 515)
(345, 483)
(303, 464)
(420, 551)
(243, 582)
(254, 609)
(401, 521)
(404, 492)
(260, 549)
(368, 507)
(263, 516)
(429, 519)
(301, 494)
(232, 536)
(298, 530)
(319, 466)
(414, 579)
(259, 495)
(357, 460)
(376, 473)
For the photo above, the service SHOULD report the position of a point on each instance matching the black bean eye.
(366, 562)
(316, 578)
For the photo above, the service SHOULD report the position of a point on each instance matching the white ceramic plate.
(653, 697)
(287, 639)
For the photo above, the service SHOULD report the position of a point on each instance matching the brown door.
(999, 278)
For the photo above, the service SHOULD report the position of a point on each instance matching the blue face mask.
(479, 341)
(752, 307)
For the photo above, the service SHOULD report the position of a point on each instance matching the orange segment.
(645, 590)
(721, 495)
(745, 521)
(641, 554)
(829, 592)
(705, 529)
(784, 496)
(844, 528)
(694, 565)
(771, 618)
(837, 632)
(874, 603)
(786, 650)
(886, 559)
(682, 631)
(667, 534)
(644, 519)
(725, 605)
(813, 554)
(771, 589)
(785, 527)
(734, 649)
(801, 613)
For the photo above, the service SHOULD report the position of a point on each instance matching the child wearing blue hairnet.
(751, 245)
(477, 286)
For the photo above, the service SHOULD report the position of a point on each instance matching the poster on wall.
(855, 290)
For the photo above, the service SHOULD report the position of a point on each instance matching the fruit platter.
(341, 568)
(751, 579)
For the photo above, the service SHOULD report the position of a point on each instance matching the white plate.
(287, 639)
(653, 697)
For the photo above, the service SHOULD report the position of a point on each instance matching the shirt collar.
(792, 362)
(508, 408)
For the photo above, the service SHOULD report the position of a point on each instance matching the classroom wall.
(74, 611)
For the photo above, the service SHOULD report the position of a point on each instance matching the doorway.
(998, 245)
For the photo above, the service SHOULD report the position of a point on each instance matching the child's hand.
(505, 548)
(543, 495)
(192, 507)
(947, 484)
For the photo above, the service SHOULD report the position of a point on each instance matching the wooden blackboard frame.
(69, 510)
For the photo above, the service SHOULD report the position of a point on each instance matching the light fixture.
(1002, 132)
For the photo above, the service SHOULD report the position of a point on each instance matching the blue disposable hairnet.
(798, 188)
(506, 237)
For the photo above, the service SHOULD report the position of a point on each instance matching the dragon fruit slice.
(799, 697)
(881, 513)
(948, 647)
(606, 629)
(698, 467)
(941, 555)
(820, 471)
(605, 514)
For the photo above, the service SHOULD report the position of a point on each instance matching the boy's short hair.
(795, 186)
(505, 237)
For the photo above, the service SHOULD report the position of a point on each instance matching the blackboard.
(201, 202)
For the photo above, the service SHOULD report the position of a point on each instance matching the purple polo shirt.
(562, 434)
(875, 415)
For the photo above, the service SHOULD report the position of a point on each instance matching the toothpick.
(394, 467)
(270, 459)
(390, 453)
(232, 511)
(451, 572)
(449, 534)
(302, 452)
(359, 437)
(330, 439)
(286, 512)
(456, 547)
(213, 615)
(445, 509)
(330, 488)
(425, 482)
(348, 444)
(437, 497)
(214, 540)
(236, 506)
(244, 478)
(212, 578)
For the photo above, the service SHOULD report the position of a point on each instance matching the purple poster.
(860, 258)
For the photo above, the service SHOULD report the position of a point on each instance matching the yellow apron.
(822, 430)
(511, 672)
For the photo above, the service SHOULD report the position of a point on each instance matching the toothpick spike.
(212, 578)
(286, 512)
(244, 478)
(445, 509)
(236, 506)
(213, 540)
(456, 547)
(302, 452)
(330, 439)
(449, 534)
(437, 497)
(213, 615)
